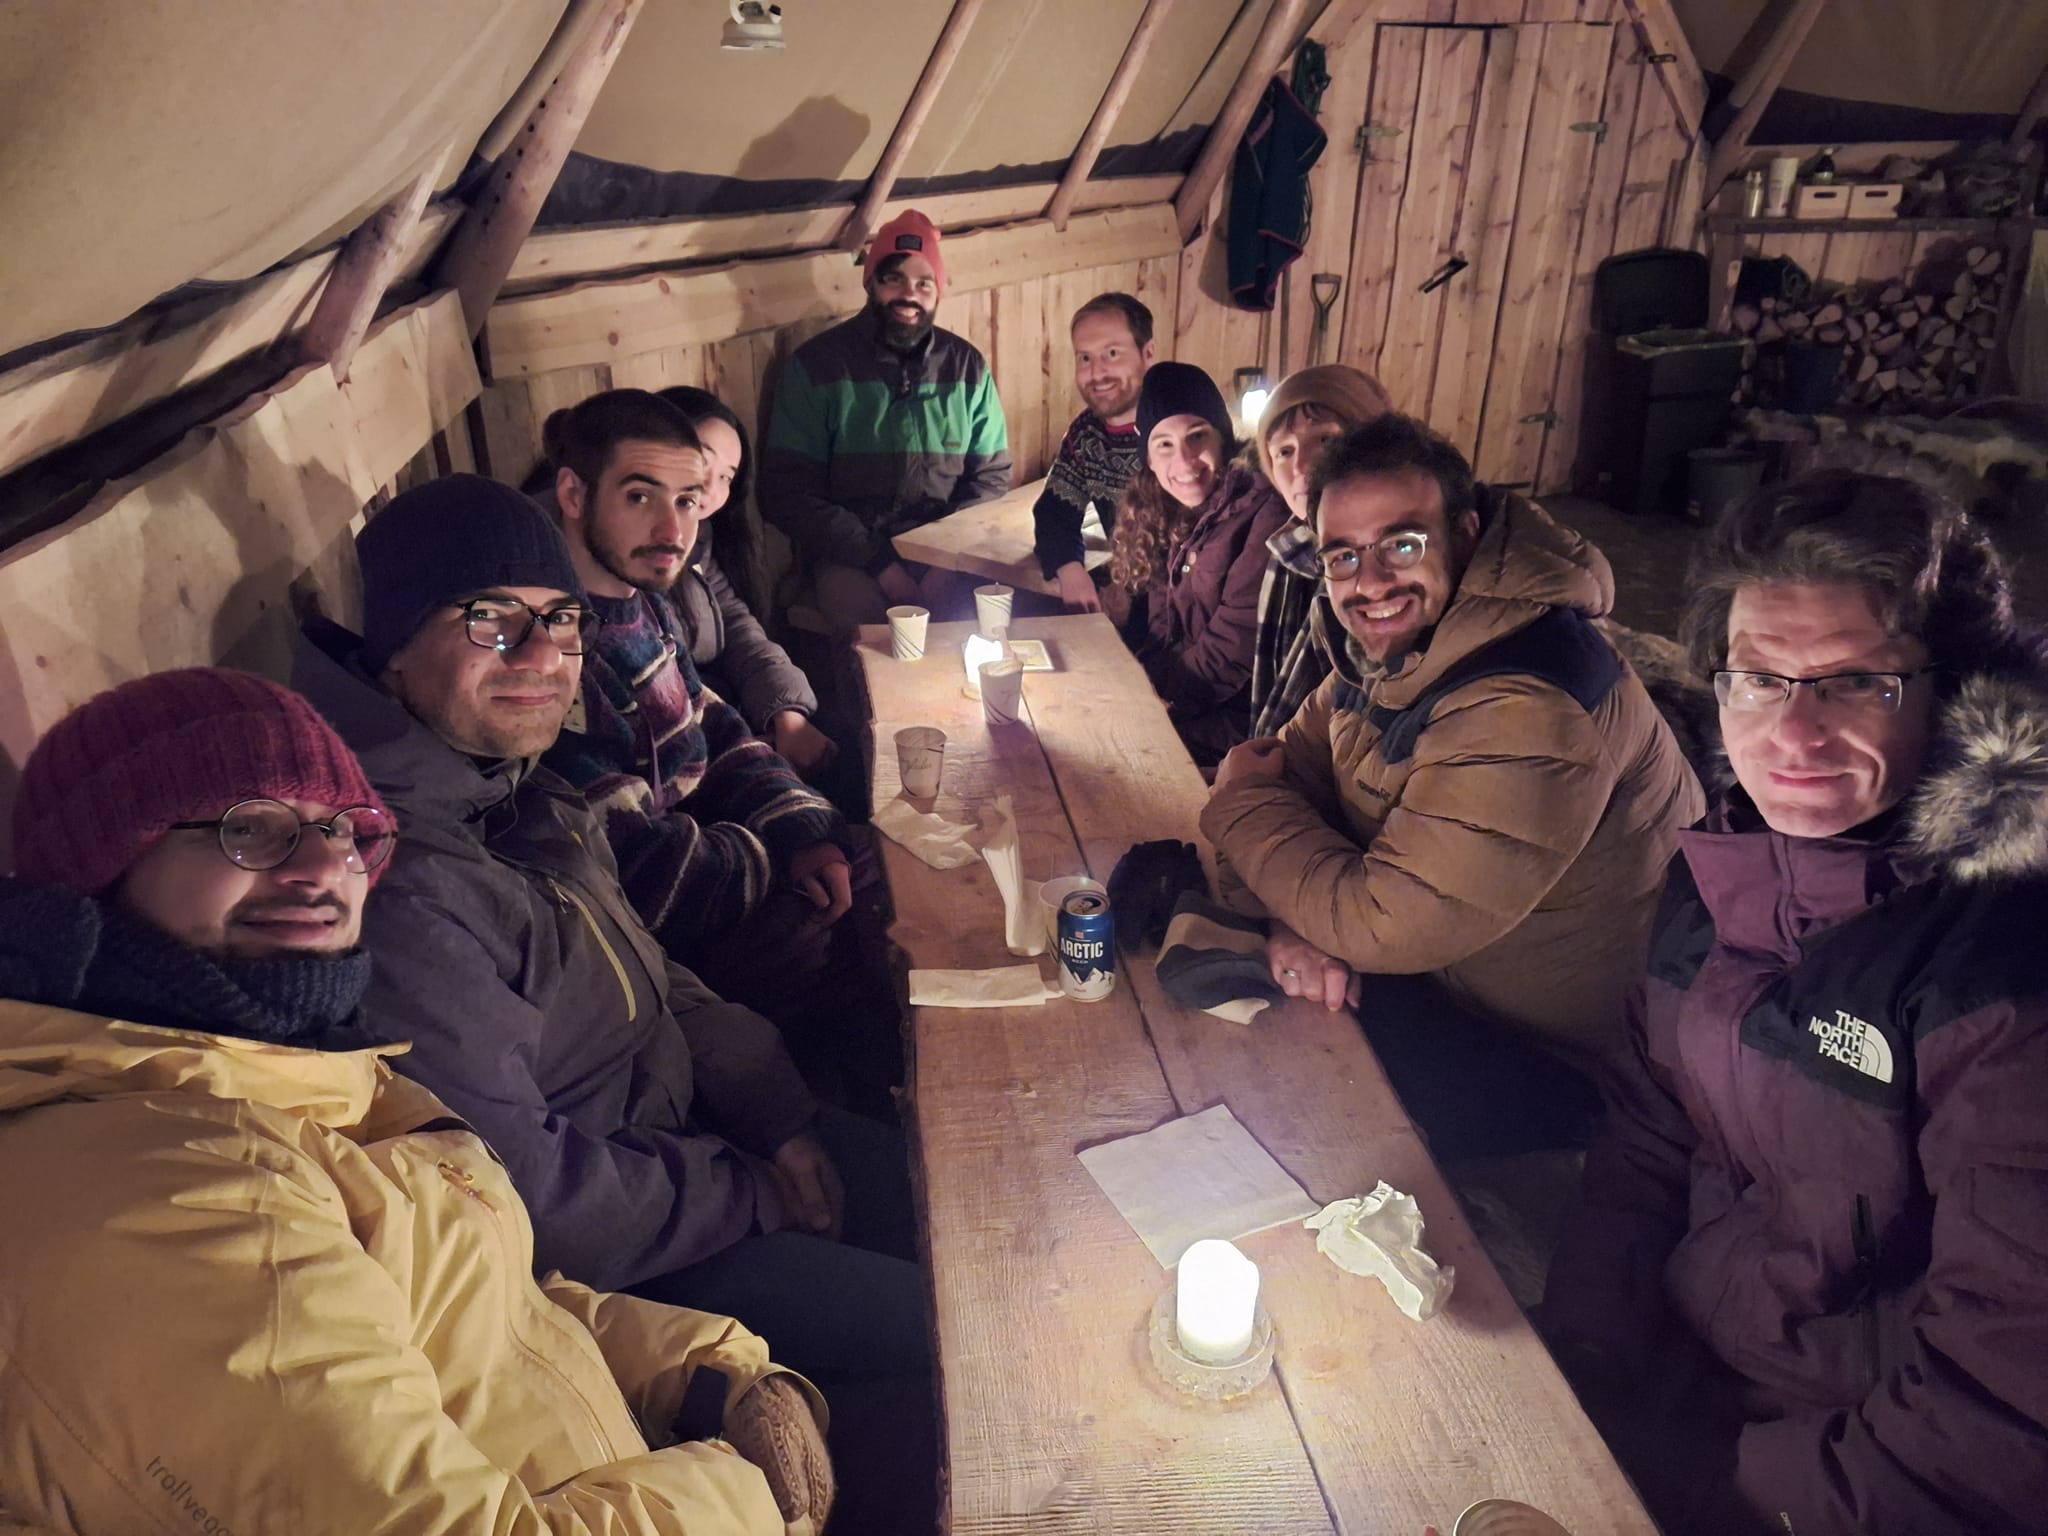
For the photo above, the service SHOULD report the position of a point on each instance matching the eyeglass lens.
(504, 627)
(262, 834)
(1397, 552)
(1876, 691)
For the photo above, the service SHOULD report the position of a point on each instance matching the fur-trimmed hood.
(1980, 811)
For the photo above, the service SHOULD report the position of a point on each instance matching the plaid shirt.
(1290, 662)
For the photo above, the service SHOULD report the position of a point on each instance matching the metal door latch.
(1598, 130)
(1363, 142)
(1541, 419)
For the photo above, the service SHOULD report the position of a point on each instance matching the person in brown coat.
(1463, 832)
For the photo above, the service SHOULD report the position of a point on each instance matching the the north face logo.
(1853, 1043)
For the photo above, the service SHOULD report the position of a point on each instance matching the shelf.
(1727, 224)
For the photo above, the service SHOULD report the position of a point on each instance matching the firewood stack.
(1907, 344)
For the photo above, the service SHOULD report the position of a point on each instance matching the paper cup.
(1779, 181)
(1053, 892)
(906, 632)
(1506, 1517)
(1002, 691)
(992, 606)
(920, 756)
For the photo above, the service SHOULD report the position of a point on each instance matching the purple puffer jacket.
(1202, 626)
(1827, 1159)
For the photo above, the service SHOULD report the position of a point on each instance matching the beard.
(901, 335)
(622, 567)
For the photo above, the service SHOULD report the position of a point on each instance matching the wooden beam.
(1671, 56)
(555, 256)
(1274, 42)
(502, 214)
(602, 323)
(1782, 48)
(952, 38)
(2030, 114)
(1107, 111)
(369, 261)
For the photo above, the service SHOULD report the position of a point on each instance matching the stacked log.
(1907, 344)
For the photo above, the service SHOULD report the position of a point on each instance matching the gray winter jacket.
(732, 651)
(626, 1099)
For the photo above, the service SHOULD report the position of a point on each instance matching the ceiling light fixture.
(754, 27)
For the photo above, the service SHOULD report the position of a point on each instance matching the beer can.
(1087, 947)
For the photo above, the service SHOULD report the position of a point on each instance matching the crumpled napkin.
(1023, 927)
(940, 843)
(1009, 986)
(1380, 1236)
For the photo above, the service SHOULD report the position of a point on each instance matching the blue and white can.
(1087, 947)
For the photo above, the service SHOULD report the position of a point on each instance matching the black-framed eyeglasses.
(1876, 693)
(1396, 552)
(262, 834)
(502, 624)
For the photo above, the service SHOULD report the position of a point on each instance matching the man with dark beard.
(742, 870)
(883, 424)
(1463, 831)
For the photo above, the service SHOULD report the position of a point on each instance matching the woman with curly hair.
(1190, 554)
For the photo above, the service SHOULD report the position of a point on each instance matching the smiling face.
(1109, 367)
(309, 905)
(906, 290)
(1388, 612)
(1814, 769)
(1185, 454)
(1293, 447)
(636, 532)
(484, 702)
(723, 453)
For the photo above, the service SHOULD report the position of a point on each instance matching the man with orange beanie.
(882, 424)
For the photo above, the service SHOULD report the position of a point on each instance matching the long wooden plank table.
(994, 539)
(1055, 1420)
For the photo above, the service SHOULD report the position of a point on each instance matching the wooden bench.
(1054, 1417)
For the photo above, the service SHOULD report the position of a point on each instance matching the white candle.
(980, 648)
(1217, 1296)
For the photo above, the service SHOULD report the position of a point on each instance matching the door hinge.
(1363, 142)
(1541, 419)
(1660, 58)
(1598, 130)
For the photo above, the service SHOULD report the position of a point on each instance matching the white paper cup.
(1002, 691)
(1053, 892)
(1779, 181)
(992, 605)
(920, 758)
(906, 632)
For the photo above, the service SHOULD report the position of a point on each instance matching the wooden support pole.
(1273, 44)
(1111, 107)
(2030, 114)
(502, 214)
(370, 259)
(952, 38)
(1782, 48)
(1671, 57)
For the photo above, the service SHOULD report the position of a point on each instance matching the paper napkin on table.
(1200, 1176)
(1023, 925)
(1009, 986)
(940, 843)
(1380, 1236)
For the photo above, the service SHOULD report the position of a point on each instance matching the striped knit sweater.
(703, 816)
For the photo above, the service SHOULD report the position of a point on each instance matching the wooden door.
(1480, 147)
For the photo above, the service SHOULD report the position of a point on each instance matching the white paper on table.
(1200, 1176)
(1023, 928)
(1380, 1236)
(1008, 986)
(940, 843)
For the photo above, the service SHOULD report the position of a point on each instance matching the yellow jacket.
(250, 1290)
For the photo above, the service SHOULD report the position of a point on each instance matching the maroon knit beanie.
(107, 780)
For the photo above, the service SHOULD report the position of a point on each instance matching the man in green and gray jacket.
(883, 424)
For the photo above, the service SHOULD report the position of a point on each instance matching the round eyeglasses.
(262, 834)
(1876, 693)
(502, 624)
(1395, 552)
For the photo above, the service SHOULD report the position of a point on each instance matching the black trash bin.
(1659, 384)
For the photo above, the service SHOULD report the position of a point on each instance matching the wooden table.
(995, 540)
(1055, 1420)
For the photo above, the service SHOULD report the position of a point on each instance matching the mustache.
(273, 908)
(1359, 604)
(679, 551)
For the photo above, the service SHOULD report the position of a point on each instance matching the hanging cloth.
(1269, 194)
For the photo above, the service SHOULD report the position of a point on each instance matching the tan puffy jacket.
(1519, 851)
(248, 1290)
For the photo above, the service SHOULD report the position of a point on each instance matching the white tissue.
(1023, 927)
(940, 843)
(1009, 986)
(1380, 1236)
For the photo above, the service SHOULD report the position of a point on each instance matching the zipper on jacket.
(570, 898)
(1863, 1236)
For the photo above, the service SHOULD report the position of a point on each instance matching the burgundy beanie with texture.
(909, 232)
(108, 779)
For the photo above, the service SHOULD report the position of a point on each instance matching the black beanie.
(1182, 389)
(449, 539)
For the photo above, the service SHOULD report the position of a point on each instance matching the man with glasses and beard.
(883, 424)
(1463, 831)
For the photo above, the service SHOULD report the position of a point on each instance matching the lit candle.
(981, 648)
(1217, 1296)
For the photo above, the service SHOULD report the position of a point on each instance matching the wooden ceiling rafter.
(1284, 27)
(2031, 113)
(1794, 21)
(1107, 111)
(945, 54)
(503, 211)
(370, 261)
(1667, 51)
